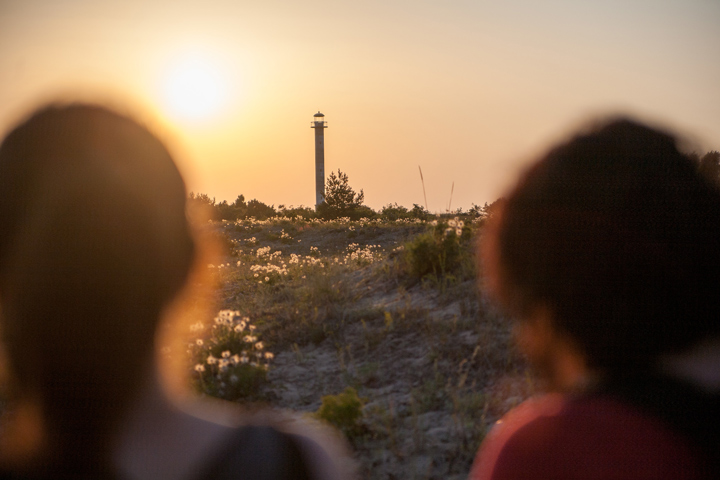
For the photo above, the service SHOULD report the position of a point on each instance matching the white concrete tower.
(319, 124)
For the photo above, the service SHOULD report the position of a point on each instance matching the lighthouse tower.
(319, 124)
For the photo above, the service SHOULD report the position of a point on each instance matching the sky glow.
(470, 90)
(194, 89)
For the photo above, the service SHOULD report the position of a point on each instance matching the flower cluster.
(252, 223)
(303, 261)
(269, 272)
(456, 225)
(230, 362)
(362, 256)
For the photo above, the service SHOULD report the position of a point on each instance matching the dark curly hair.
(616, 232)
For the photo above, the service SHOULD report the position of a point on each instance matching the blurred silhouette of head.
(94, 242)
(617, 234)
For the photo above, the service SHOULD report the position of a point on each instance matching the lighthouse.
(319, 124)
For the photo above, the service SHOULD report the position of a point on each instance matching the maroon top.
(592, 437)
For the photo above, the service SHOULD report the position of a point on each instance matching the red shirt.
(594, 437)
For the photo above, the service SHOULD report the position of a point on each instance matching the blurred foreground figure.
(608, 253)
(94, 246)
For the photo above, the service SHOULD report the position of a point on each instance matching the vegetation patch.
(344, 411)
(383, 310)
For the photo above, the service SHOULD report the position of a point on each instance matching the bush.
(439, 251)
(233, 211)
(201, 199)
(394, 211)
(294, 212)
(343, 410)
(418, 211)
(201, 207)
(229, 362)
(239, 209)
(259, 210)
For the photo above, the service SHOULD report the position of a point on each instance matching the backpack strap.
(258, 453)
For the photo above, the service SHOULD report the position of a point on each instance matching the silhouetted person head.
(617, 236)
(94, 242)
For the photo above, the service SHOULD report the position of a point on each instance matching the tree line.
(341, 200)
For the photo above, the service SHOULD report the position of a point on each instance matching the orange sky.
(467, 89)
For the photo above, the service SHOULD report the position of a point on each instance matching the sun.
(194, 88)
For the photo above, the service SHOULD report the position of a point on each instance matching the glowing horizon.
(468, 91)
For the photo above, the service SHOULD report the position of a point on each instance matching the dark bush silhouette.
(259, 210)
(237, 210)
(340, 200)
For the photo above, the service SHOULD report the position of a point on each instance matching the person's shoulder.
(186, 437)
(582, 437)
(324, 449)
(521, 425)
(261, 452)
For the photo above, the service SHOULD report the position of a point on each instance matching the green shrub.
(394, 211)
(343, 410)
(259, 210)
(419, 212)
(437, 252)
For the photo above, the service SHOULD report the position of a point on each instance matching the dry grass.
(432, 363)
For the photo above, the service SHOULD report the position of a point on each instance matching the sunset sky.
(469, 90)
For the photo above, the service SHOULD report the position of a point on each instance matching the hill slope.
(336, 306)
